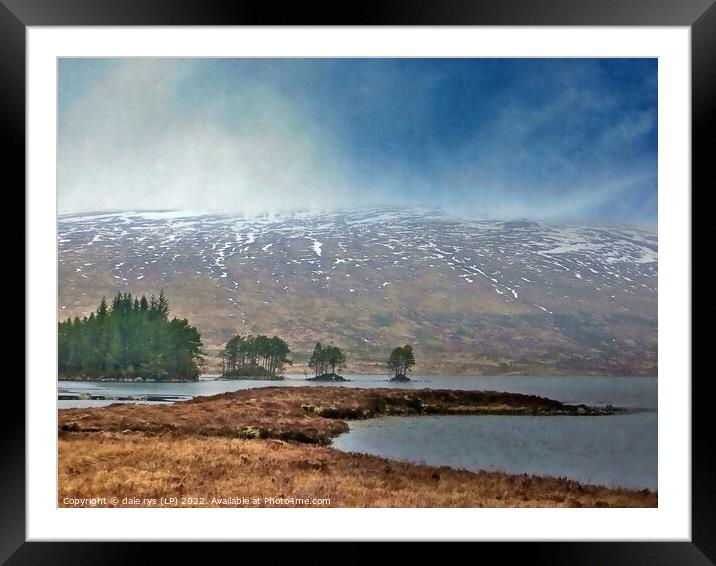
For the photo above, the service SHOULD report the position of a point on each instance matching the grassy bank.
(304, 414)
(270, 442)
(141, 466)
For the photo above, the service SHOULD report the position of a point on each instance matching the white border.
(671, 521)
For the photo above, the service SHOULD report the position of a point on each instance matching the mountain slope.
(472, 297)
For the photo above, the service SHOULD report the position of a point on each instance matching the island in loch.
(272, 442)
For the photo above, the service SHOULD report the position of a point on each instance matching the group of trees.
(401, 360)
(132, 337)
(254, 355)
(324, 358)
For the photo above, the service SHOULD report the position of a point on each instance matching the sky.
(556, 140)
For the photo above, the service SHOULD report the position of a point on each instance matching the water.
(616, 450)
(634, 392)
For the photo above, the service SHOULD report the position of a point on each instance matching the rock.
(581, 410)
(400, 378)
(71, 426)
(85, 396)
(311, 409)
(327, 377)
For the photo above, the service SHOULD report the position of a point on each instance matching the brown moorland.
(264, 443)
(305, 414)
(201, 468)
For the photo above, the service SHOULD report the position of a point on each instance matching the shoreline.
(202, 472)
(248, 378)
(126, 380)
(415, 377)
(312, 414)
(238, 441)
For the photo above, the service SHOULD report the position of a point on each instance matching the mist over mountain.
(471, 296)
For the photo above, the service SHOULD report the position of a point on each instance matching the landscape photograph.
(348, 282)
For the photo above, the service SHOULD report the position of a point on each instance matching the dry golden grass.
(135, 465)
(306, 414)
(234, 445)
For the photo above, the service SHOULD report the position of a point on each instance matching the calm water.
(617, 450)
(633, 392)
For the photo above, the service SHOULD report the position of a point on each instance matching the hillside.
(472, 297)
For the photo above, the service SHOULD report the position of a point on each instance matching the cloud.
(577, 155)
(542, 139)
(127, 142)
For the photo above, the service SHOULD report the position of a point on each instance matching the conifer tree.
(131, 338)
(254, 356)
(401, 360)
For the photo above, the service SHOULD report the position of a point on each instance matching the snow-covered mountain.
(471, 296)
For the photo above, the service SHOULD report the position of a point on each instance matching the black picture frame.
(17, 15)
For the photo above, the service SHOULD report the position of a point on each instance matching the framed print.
(373, 281)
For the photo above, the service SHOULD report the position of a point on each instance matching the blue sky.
(561, 140)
